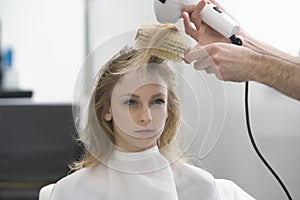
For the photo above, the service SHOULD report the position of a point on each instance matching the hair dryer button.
(217, 9)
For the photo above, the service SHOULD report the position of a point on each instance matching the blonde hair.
(98, 133)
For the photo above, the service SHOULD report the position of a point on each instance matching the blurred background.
(43, 44)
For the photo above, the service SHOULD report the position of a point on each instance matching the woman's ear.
(108, 115)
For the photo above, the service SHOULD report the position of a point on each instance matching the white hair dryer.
(169, 11)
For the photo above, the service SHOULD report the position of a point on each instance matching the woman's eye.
(131, 102)
(158, 101)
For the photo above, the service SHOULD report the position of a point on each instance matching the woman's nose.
(145, 115)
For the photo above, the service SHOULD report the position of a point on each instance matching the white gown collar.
(142, 175)
(135, 156)
(146, 161)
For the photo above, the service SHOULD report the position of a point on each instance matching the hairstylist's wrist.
(255, 63)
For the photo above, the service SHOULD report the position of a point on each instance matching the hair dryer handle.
(219, 20)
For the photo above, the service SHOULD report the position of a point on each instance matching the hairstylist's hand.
(227, 61)
(201, 32)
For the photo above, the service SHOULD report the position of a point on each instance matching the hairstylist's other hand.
(201, 32)
(227, 61)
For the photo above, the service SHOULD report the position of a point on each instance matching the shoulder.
(201, 179)
(196, 178)
(191, 171)
(76, 176)
(231, 190)
(69, 183)
(73, 184)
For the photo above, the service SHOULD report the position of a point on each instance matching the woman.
(130, 134)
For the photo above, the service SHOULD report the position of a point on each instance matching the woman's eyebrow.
(131, 95)
(158, 95)
(137, 96)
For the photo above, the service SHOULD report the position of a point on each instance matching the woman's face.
(138, 110)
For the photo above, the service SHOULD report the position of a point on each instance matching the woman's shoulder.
(230, 189)
(72, 184)
(190, 170)
(187, 173)
(75, 176)
(69, 182)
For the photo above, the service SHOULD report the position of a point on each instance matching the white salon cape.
(144, 175)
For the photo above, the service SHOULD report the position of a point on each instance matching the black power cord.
(239, 42)
(255, 146)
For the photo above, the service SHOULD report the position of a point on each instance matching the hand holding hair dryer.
(170, 11)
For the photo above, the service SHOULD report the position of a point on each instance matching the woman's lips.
(145, 131)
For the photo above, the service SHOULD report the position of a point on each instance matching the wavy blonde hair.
(98, 134)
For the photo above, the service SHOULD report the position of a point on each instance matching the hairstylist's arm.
(255, 61)
(246, 65)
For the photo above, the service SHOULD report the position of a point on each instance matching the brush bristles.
(169, 45)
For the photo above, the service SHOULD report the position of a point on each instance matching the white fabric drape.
(145, 175)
